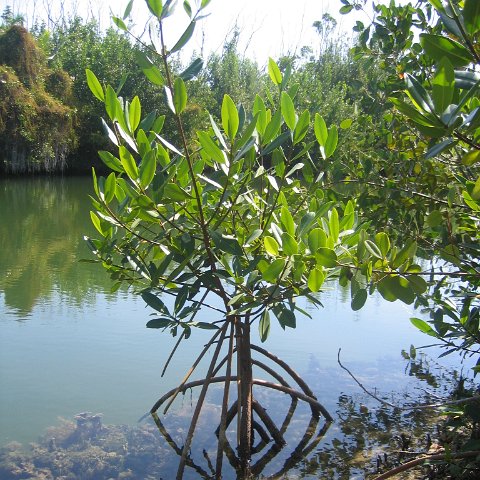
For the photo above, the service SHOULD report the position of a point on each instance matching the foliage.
(36, 127)
(433, 181)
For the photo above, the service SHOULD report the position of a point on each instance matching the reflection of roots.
(244, 407)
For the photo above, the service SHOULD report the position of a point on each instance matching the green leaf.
(147, 169)
(346, 9)
(301, 128)
(359, 299)
(407, 252)
(470, 158)
(230, 119)
(423, 326)
(272, 273)
(331, 142)
(435, 218)
(187, 34)
(418, 284)
(187, 7)
(438, 148)
(128, 9)
(260, 112)
(277, 142)
(96, 223)
(286, 317)
(421, 118)
(134, 113)
(274, 72)
(206, 325)
(94, 85)
(273, 127)
(111, 161)
(437, 47)
(111, 103)
(255, 234)
(316, 238)
(383, 243)
(175, 193)
(156, 7)
(321, 131)
(179, 95)
(287, 220)
(111, 136)
(475, 194)
(128, 163)
(226, 244)
(471, 16)
(326, 257)
(437, 5)
(110, 187)
(334, 225)
(161, 322)
(192, 70)
(289, 244)
(288, 110)
(181, 298)
(443, 85)
(373, 249)
(315, 279)
(264, 326)
(154, 302)
(154, 75)
(119, 23)
(394, 287)
(346, 124)
(271, 245)
(210, 147)
(418, 94)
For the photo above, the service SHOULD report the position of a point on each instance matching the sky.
(268, 28)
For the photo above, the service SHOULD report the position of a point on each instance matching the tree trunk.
(244, 381)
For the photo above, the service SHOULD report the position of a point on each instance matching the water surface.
(68, 345)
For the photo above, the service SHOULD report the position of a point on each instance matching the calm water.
(68, 345)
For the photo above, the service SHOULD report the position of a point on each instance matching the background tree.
(36, 115)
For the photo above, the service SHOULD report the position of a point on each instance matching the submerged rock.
(87, 450)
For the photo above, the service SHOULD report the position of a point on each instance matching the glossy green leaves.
(288, 111)
(179, 95)
(437, 47)
(94, 85)
(274, 72)
(327, 138)
(471, 16)
(443, 85)
(230, 119)
(156, 7)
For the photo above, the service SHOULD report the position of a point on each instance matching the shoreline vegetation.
(50, 123)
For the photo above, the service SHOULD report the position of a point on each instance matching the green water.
(68, 345)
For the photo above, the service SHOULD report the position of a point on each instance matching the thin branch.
(475, 398)
(419, 461)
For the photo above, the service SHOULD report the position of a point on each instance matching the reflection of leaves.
(44, 221)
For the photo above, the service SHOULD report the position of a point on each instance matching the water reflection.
(84, 348)
(365, 439)
(43, 222)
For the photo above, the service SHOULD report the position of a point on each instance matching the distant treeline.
(50, 122)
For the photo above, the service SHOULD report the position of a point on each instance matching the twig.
(383, 402)
(475, 398)
(421, 460)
